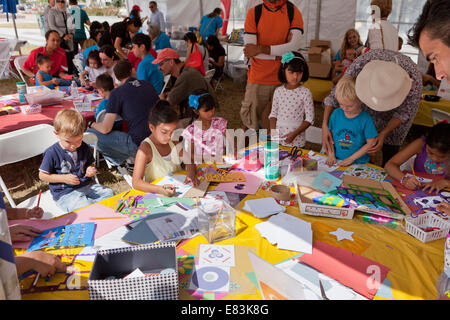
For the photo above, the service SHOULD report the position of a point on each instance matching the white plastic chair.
(18, 63)
(209, 74)
(26, 143)
(438, 115)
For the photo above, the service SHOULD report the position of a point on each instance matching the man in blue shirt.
(146, 70)
(156, 16)
(132, 101)
(210, 24)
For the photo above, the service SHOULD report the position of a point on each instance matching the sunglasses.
(61, 1)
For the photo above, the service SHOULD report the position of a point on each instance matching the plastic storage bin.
(43, 96)
(427, 220)
(216, 220)
(30, 109)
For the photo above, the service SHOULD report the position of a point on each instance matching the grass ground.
(22, 178)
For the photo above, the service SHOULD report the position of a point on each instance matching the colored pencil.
(412, 169)
(125, 194)
(39, 199)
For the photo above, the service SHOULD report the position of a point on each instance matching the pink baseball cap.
(166, 54)
(136, 7)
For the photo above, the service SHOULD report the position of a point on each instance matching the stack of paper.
(288, 232)
(262, 208)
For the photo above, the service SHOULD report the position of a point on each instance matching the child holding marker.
(93, 69)
(68, 165)
(157, 155)
(43, 76)
(433, 156)
(352, 127)
(205, 135)
(292, 106)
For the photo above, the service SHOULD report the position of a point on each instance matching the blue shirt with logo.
(58, 161)
(150, 72)
(351, 134)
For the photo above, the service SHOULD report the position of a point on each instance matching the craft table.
(414, 266)
(423, 116)
(19, 120)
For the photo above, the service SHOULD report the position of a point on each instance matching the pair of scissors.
(295, 153)
(322, 291)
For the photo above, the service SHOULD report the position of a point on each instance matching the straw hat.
(382, 85)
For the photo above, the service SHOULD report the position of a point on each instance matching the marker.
(36, 279)
(125, 194)
(39, 199)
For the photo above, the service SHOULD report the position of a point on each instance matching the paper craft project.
(217, 195)
(331, 199)
(310, 278)
(321, 162)
(211, 278)
(250, 162)
(329, 205)
(372, 196)
(288, 232)
(275, 284)
(70, 236)
(326, 182)
(262, 208)
(364, 171)
(250, 186)
(342, 234)
(177, 180)
(215, 174)
(359, 273)
(199, 191)
(97, 210)
(216, 255)
(420, 179)
(174, 226)
(421, 202)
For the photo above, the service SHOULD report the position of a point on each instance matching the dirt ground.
(22, 178)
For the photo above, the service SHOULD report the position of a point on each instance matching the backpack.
(258, 12)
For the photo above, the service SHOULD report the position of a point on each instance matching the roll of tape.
(281, 192)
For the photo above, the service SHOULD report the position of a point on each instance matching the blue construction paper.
(333, 182)
(385, 290)
(69, 236)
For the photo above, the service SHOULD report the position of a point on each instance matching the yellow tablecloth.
(320, 88)
(414, 266)
(423, 116)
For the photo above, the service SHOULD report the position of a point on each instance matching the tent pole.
(15, 27)
(319, 7)
(201, 8)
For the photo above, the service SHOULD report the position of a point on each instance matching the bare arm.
(106, 125)
(393, 165)
(358, 154)
(118, 46)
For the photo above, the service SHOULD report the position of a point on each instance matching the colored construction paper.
(250, 186)
(97, 210)
(326, 182)
(359, 273)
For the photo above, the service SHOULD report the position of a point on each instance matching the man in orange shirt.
(271, 29)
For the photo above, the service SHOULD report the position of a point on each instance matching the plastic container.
(21, 90)
(216, 220)
(427, 220)
(30, 109)
(271, 161)
(43, 96)
(74, 90)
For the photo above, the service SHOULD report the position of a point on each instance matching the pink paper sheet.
(250, 186)
(104, 226)
(361, 274)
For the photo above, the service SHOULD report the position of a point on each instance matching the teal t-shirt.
(162, 42)
(208, 27)
(47, 77)
(151, 73)
(350, 135)
(79, 17)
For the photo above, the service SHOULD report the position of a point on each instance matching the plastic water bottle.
(74, 90)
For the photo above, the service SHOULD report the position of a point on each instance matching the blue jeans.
(84, 196)
(116, 146)
(67, 83)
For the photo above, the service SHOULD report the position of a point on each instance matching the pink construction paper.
(361, 274)
(250, 186)
(103, 226)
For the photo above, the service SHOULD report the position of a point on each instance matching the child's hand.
(192, 180)
(71, 179)
(44, 263)
(167, 190)
(346, 162)
(23, 233)
(331, 160)
(288, 138)
(90, 171)
(55, 81)
(83, 82)
(435, 186)
(36, 212)
(444, 207)
(411, 183)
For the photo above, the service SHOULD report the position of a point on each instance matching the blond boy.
(68, 165)
(352, 127)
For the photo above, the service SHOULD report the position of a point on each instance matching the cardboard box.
(159, 261)
(319, 59)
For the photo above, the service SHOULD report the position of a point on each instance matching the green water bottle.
(271, 161)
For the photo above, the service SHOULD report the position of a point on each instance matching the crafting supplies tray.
(106, 280)
(414, 227)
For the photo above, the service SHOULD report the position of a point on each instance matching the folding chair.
(438, 115)
(218, 85)
(15, 146)
(209, 74)
(5, 70)
(18, 63)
